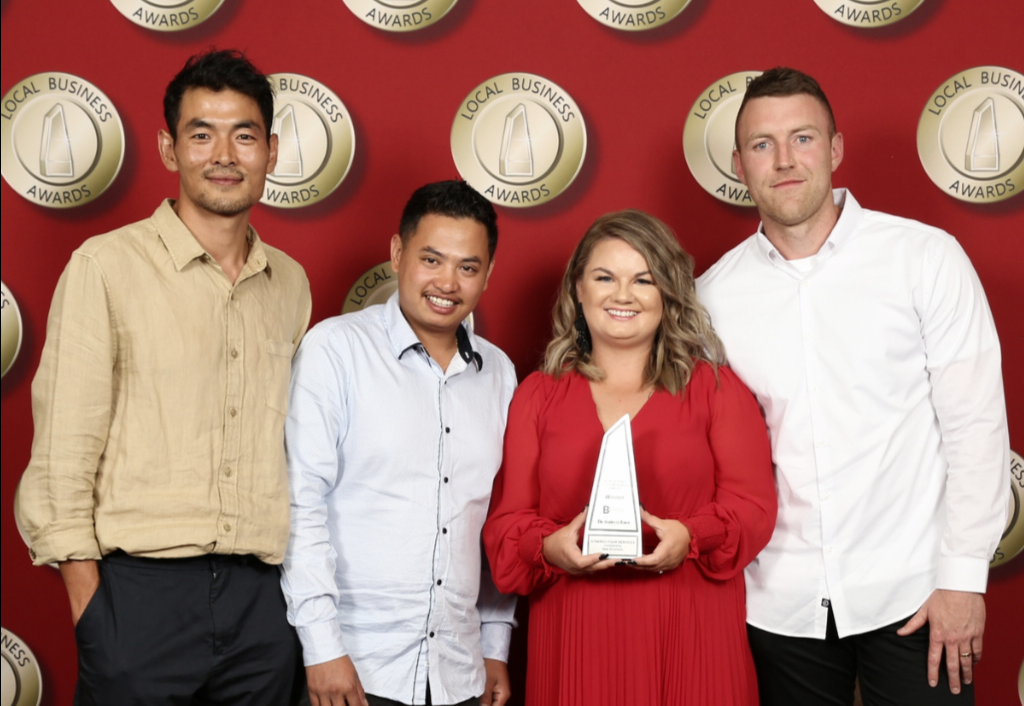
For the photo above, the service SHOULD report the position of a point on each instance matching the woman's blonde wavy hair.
(685, 335)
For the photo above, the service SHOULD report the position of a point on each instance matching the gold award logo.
(971, 135)
(21, 683)
(868, 13)
(519, 140)
(1012, 542)
(10, 331)
(709, 138)
(1020, 684)
(315, 142)
(634, 15)
(400, 15)
(167, 15)
(62, 140)
(374, 286)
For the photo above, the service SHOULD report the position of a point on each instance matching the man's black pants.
(378, 701)
(893, 670)
(188, 632)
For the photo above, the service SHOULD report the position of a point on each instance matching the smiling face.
(221, 152)
(621, 303)
(442, 269)
(786, 156)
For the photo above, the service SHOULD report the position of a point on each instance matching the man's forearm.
(81, 578)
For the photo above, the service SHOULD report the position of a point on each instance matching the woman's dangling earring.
(583, 340)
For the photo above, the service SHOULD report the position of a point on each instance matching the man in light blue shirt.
(394, 436)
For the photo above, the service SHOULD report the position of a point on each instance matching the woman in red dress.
(667, 628)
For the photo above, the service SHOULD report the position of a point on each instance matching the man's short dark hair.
(781, 82)
(455, 199)
(217, 70)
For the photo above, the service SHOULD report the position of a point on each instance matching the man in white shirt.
(870, 346)
(394, 436)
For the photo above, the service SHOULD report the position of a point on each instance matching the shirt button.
(431, 634)
(234, 353)
(233, 412)
(444, 531)
(227, 527)
(439, 582)
(447, 430)
(445, 480)
(228, 473)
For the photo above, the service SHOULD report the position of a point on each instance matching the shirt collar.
(403, 338)
(842, 231)
(184, 248)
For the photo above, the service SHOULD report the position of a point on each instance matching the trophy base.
(616, 547)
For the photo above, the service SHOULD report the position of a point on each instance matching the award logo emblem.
(613, 521)
(62, 140)
(1012, 542)
(315, 142)
(374, 286)
(400, 15)
(21, 683)
(519, 140)
(10, 331)
(1020, 684)
(709, 138)
(634, 15)
(868, 13)
(971, 135)
(167, 15)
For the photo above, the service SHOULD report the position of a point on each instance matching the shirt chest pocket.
(277, 373)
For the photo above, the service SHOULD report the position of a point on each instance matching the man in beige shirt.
(158, 478)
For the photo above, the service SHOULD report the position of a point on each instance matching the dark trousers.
(188, 632)
(378, 701)
(893, 670)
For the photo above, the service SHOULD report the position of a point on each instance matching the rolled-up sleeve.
(71, 408)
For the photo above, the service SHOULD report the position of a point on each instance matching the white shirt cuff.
(967, 574)
(495, 639)
(321, 642)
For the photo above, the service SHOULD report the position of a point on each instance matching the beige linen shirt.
(160, 400)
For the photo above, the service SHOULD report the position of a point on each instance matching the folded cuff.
(495, 640)
(75, 543)
(321, 642)
(967, 574)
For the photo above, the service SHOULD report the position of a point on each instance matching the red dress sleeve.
(729, 532)
(514, 531)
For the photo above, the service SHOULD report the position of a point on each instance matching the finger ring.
(966, 655)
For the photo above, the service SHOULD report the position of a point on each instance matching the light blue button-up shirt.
(391, 461)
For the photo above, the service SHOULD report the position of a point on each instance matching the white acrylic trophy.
(613, 522)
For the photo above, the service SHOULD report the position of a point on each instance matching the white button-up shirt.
(878, 369)
(391, 461)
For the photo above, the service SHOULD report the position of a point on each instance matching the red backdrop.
(402, 91)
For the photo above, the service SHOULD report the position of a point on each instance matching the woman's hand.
(673, 546)
(561, 550)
